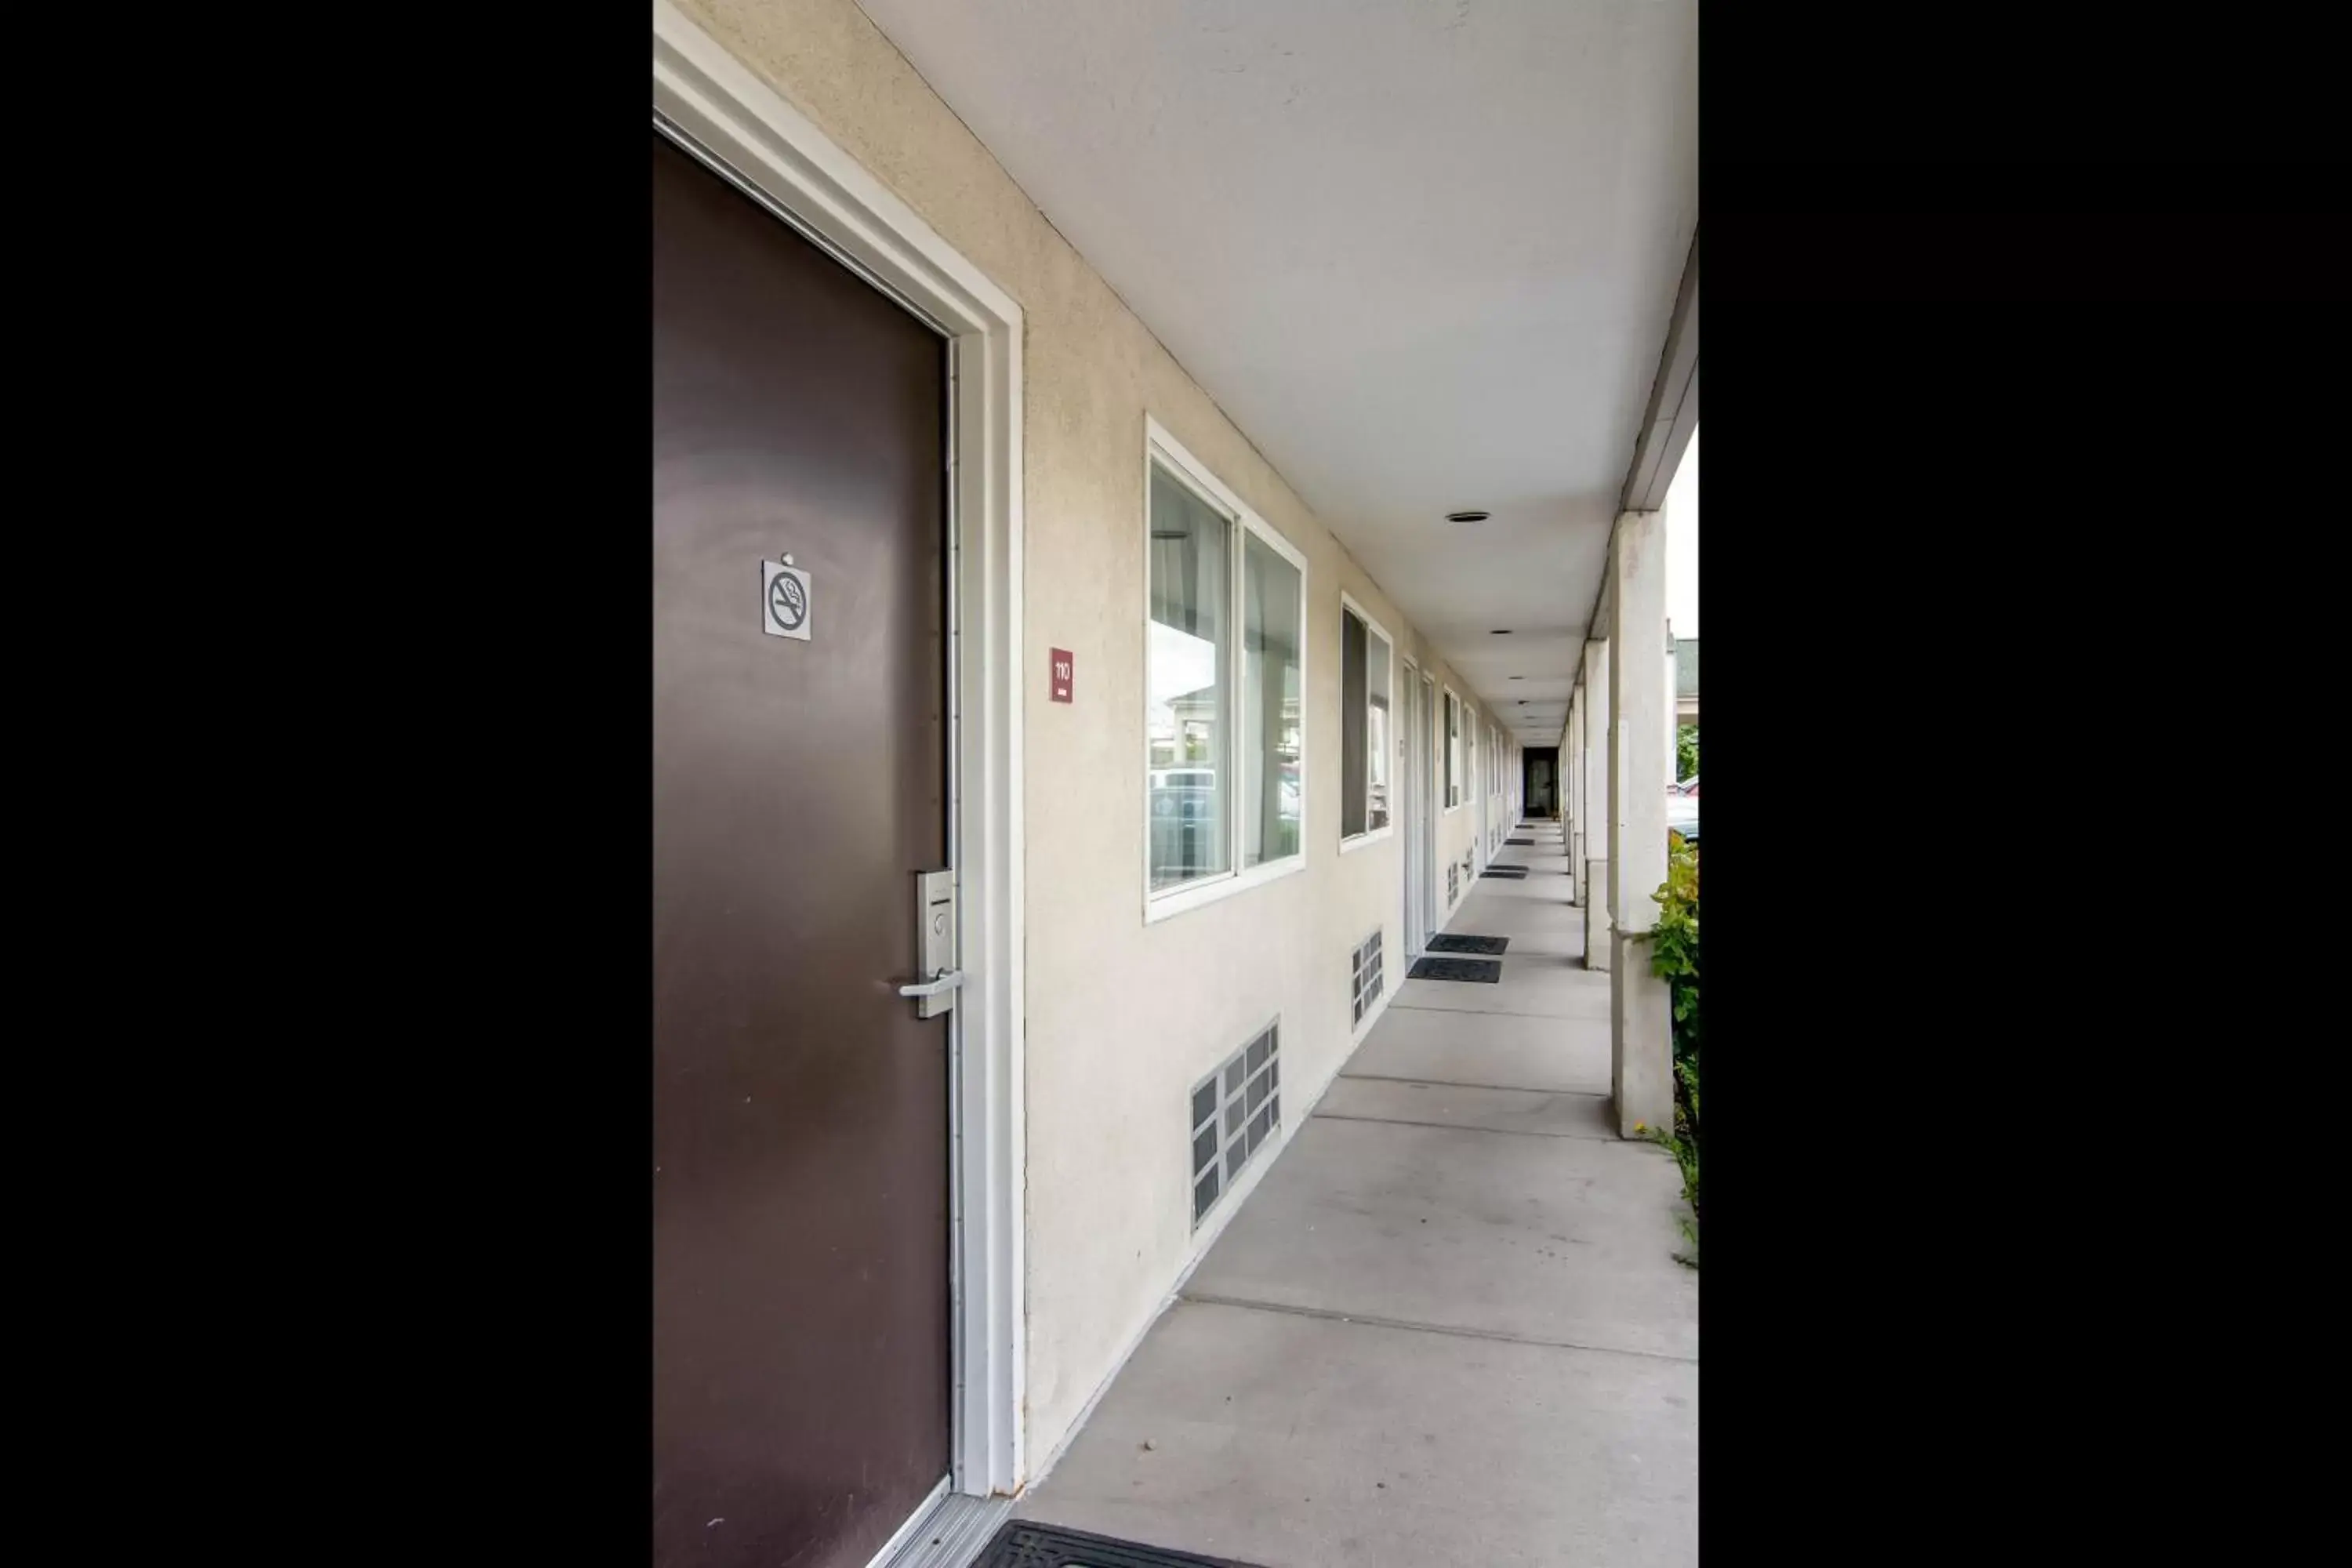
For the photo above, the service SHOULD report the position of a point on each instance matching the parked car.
(1682, 808)
(1184, 837)
(1184, 830)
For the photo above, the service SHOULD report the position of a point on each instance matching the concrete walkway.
(1447, 1327)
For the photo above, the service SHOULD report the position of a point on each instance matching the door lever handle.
(944, 981)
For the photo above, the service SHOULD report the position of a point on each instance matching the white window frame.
(1160, 446)
(1445, 740)
(1349, 846)
(1470, 722)
(1494, 789)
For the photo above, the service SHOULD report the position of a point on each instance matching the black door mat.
(1513, 873)
(1024, 1544)
(1484, 971)
(1526, 841)
(1492, 946)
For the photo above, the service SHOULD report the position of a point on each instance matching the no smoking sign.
(783, 600)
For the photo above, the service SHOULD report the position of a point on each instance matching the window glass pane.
(1376, 729)
(1189, 739)
(1452, 751)
(1351, 726)
(1272, 784)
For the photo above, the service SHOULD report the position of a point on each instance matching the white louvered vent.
(1235, 1110)
(1364, 976)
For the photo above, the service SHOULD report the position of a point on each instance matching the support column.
(1641, 731)
(1674, 682)
(1598, 808)
(1571, 793)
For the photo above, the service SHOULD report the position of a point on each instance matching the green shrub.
(1673, 958)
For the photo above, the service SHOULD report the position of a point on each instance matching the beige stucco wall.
(1122, 1017)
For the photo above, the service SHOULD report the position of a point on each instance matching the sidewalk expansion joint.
(1373, 1321)
(1454, 1083)
(1495, 1012)
(1465, 1127)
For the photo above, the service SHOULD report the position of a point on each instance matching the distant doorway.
(1541, 780)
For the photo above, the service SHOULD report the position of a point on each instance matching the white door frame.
(1433, 742)
(1472, 723)
(788, 165)
(1414, 772)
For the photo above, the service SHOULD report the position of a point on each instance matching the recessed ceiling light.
(1468, 516)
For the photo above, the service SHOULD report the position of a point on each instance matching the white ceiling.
(1424, 253)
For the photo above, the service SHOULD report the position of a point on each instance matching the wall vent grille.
(1364, 976)
(1235, 1110)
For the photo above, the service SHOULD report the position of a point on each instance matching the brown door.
(801, 1340)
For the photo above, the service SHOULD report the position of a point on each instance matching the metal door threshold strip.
(953, 1534)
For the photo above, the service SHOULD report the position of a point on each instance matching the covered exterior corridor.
(1110, 562)
(1448, 1327)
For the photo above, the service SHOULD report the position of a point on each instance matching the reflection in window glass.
(1366, 668)
(1351, 724)
(1364, 661)
(1189, 740)
(1271, 782)
(1376, 729)
(1452, 751)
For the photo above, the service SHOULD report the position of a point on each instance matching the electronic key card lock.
(935, 944)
